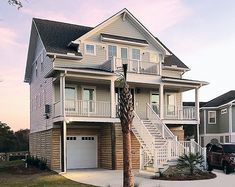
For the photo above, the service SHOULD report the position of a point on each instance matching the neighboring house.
(73, 73)
(217, 119)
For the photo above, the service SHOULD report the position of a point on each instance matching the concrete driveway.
(113, 178)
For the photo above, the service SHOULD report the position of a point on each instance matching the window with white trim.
(90, 49)
(135, 54)
(211, 117)
(223, 111)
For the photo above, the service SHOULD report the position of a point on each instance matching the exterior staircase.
(160, 147)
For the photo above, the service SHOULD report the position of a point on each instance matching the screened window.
(112, 51)
(136, 54)
(211, 117)
(90, 49)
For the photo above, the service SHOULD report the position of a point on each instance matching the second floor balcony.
(102, 109)
(134, 66)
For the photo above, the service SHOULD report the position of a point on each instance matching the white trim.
(223, 111)
(122, 41)
(217, 134)
(88, 53)
(94, 96)
(208, 117)
(114, 18)
(201, 83)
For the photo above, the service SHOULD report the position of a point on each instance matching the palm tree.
(190, 161)
(126, 117)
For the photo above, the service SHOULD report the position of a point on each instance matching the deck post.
(161, 102)
(197, 111)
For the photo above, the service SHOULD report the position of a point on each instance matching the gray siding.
(222, 122)
(201, 129)
(40, 91)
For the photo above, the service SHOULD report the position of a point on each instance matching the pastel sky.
(200, 32)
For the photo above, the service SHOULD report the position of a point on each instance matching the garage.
(81, 152)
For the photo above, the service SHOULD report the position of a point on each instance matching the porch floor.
(113, 178)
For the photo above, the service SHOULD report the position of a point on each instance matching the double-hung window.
(211, 117)
(90, 49)
(112, 51)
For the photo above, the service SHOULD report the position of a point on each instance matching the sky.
(200, 32)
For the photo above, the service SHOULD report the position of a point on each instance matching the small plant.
(190, 161)
(42, 164)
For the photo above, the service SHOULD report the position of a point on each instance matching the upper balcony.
(134, 66)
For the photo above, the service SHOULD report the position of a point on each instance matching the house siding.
(201, 129)
(212, 128)
(41, 91)
(135, 149)
(223, 120)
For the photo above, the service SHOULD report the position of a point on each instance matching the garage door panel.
(81, 152)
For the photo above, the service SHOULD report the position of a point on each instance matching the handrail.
(143, 133)
(165, 130)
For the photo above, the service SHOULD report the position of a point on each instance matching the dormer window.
(90, 49)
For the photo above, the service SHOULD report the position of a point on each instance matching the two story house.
(217, 122)
(73, 73)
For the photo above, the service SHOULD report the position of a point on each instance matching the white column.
(161, 101)
(112, 99)
(230, 121)
(65, 145)
(64, 125)
(197, 111)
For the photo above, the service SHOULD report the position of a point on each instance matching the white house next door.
(82, 152)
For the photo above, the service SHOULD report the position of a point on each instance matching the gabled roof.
(221, 100)
(56, 36)
(172, 60)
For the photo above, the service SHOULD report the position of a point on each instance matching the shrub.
(42, 164)
(190, 161)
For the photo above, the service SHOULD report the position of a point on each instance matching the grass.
(13, 173)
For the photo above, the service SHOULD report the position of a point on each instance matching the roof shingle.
(221, 100)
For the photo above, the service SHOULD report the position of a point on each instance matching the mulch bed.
(196, 176)
(175, 174)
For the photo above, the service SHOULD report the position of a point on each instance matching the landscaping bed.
(14, 173)
(175, 174)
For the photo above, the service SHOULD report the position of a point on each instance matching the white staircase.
(159, 145)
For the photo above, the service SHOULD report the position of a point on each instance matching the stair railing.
(146, 140)
(162, 128)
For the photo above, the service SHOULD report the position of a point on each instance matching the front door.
(70, 99)
(88, 100)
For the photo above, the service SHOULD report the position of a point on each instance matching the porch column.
(197, 111)
(112, 99)
(161, 100)
(63, 125)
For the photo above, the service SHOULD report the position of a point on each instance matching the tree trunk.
(128, 177)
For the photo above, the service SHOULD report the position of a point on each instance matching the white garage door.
(81, 152)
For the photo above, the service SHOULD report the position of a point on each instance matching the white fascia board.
(122, 41)
(68, 55)
(175, 68)
(201, 83)
(111, 20)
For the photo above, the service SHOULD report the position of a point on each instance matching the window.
(135, 54)
(211, 117)
(90, 49)
(88, 99)
(70, 97)
(170, 104)
(224, 111)
(112, 51)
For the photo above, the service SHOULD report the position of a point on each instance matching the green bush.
(36, 162)
(43, 164)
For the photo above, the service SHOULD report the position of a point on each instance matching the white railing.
(178, 112)
(84, 108)
(136, 66)
(145, 138)
(192, 146)
(161, 127)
